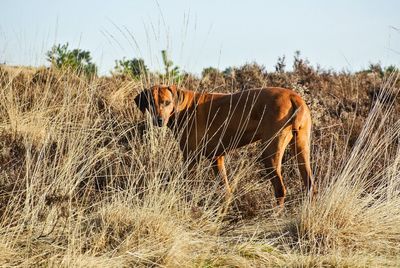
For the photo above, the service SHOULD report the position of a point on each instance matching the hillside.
(85, 183)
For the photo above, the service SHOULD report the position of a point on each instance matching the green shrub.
(76, 60)
(134, 68)
(172, 72)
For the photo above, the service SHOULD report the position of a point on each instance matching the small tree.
(171, 71)
(376, 68)
(134, 68)
(280, 65)
(76, 60)
(299, 64)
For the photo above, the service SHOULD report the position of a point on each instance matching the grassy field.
(82, 185)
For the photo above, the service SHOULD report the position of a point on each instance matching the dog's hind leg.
(301, 150)
(219, 169)
(272, 160)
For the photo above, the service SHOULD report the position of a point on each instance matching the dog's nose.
(160, 121)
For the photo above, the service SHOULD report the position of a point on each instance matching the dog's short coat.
(212, 124)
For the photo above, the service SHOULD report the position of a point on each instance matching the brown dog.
(212, 124)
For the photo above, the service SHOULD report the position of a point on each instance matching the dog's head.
(160, 101)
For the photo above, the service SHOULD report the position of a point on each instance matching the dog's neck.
(189, 102)
(187, 99)
(192, 99)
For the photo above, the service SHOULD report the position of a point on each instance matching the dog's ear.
(173, 90)
(142, 101)
(178, 95)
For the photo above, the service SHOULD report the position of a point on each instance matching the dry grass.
(80, 186)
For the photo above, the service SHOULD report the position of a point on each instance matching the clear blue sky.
(335, 34)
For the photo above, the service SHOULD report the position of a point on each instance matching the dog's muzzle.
(159, 121)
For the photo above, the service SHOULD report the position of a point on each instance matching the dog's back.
(228, 121)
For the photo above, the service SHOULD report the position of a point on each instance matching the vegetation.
(75, 60)
(172, 72)
(134, 68)
(83, 184)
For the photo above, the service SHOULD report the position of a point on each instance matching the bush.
(250, 75)
(75, 60)
(134, 68)
(212, 78)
